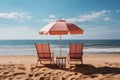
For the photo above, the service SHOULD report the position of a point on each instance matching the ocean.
(26, 47)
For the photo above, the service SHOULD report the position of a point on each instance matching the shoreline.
(84, 53)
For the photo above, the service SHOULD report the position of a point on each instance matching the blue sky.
(21, 19)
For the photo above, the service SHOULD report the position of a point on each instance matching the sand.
(95, 67)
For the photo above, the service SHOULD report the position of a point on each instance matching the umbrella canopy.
(60, 27)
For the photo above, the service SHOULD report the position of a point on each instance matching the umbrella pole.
(60, 45)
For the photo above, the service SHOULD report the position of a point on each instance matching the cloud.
(101, 15)
(100, 32)
(14, 15)
(107, 19)
(89, 17)
(48, 20)
(26, 32)
(117, 11)
(20, 32)
(52, 16)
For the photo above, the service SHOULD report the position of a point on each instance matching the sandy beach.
(95, 67)
(85, 32)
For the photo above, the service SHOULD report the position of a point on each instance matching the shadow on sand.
(88, 69)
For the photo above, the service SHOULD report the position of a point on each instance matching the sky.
(21, 19)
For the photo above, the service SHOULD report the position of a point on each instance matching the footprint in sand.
(22, 68)
(57, 78)
(109, 64)
(38, 76)
(47, 74)
(94, 75)
(82, 77)
(117, 64)
(19, 73)
(20, 77)
(73, 77)
(58, 73)
(69, 75)
(32, 68)
(5, 74)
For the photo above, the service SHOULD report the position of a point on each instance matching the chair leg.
(81, 61)
(51, 61)
(37, 63)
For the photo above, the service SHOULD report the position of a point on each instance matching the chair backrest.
(76, 51)
(43, 51)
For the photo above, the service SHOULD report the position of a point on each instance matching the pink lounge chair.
(75, 53)
(44, 54)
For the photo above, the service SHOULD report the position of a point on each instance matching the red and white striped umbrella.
(60, 27)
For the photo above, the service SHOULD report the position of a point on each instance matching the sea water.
(27, 47)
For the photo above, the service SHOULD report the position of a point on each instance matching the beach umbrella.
(60, 27)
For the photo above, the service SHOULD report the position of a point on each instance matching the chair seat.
(75, 55)
(44, 55)
(75, 59)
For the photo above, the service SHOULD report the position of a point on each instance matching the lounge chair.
(44, 54)
(75, 53)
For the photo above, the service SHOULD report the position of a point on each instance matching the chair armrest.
(53, 57)
(52, 54)
(68, 57)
